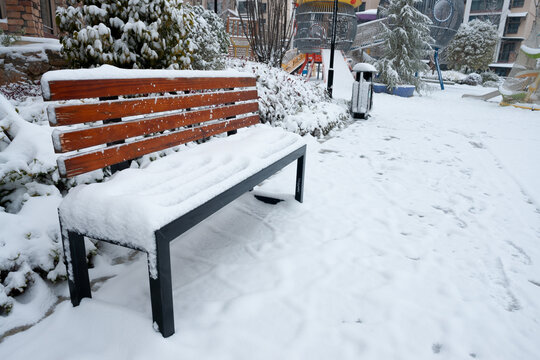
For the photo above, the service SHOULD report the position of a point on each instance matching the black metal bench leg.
(161, 291)
(300, 171)
(78, 281)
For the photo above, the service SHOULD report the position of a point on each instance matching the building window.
(486, 5)
(47, 16)
(508, 52)
(3, 11)
(517, 3)
(512, 25)
(502, 71)
(242, 7)
(493, 19)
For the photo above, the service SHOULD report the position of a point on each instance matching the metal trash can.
(362, 91)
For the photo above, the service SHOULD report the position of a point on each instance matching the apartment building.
(514, 20)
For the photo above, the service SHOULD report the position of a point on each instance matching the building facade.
(514, 20)
(29, 17)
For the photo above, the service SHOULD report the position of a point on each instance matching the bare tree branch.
(269, 33)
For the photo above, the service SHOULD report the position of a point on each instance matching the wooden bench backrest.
(161, 119)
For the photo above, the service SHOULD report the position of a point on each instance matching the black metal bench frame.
(161, 287)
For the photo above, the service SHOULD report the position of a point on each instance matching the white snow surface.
(34, 45)
(343, 79)
(418, 239)
(136, 202)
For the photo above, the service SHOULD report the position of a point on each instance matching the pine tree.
(406, 44)
(211, 38)
(126, 33)
(473, 46)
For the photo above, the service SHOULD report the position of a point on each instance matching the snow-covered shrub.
(290, 102)
(29, 235)
(447, 75)
(8, 39)
(30, 191)
(473, 46)
(211, 38)
(489, 76)
(126, 33)
(492, 84)
(473, 79)
(406, 44)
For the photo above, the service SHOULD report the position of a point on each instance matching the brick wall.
(25, 15)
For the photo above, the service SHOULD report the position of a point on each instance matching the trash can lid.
(364, 67)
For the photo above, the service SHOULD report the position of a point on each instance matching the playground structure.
(314, 32)
(314, 25)
(313, 29)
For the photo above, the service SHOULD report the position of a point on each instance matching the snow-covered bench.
(136, 112)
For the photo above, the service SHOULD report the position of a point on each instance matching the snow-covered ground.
(419, 238)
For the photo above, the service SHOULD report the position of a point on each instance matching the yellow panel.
(354, 3)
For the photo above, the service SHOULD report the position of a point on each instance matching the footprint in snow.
(520, 254)
(477, 145)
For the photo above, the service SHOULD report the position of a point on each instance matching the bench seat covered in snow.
(130, 113)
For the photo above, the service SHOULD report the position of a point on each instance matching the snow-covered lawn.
(419, 238)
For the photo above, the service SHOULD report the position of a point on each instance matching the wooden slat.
(82, 163)
(83, 113)
(81, 89)
(84, 138)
